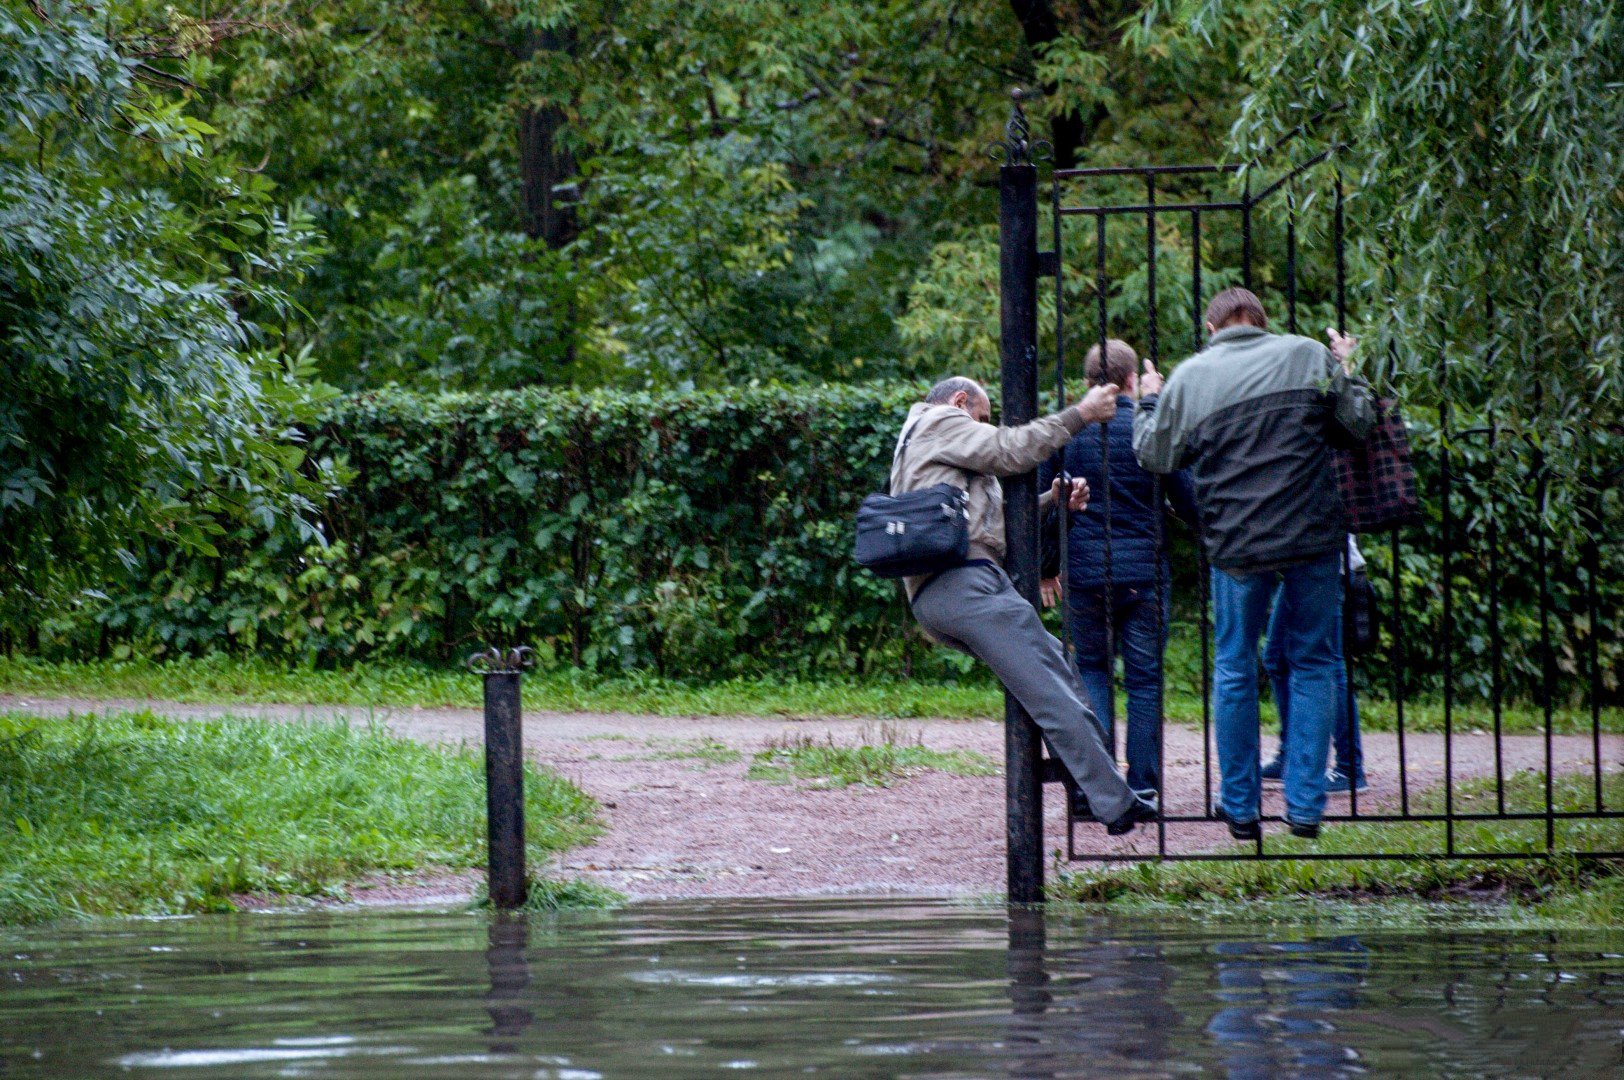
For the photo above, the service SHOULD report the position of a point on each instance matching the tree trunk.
(544, 164)
(1068, 133)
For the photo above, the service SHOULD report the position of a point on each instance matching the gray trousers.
(976, 609)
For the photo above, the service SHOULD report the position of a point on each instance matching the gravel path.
(686, 826)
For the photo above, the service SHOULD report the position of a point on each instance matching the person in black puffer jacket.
(1138, 631)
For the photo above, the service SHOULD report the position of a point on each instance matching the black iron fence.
(1434, 790)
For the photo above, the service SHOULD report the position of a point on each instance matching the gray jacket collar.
(1239, 332)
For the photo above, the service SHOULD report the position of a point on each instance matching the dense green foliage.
(135, 397)
(706, 535)
(206, 204)
(138, 814)
(514, 192)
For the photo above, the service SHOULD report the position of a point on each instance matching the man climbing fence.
(949, 438)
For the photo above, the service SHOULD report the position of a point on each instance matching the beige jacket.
(947, 446)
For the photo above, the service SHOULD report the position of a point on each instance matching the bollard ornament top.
(1017, 147)
(494, 661)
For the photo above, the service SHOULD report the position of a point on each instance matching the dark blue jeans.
(1350, 759)
(1140, 637)
(1309, 613)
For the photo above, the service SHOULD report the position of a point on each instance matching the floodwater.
(841, 988)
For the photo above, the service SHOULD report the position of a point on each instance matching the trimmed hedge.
(708, 534)
(691, 533)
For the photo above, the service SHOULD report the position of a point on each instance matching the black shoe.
(1139, 811)
(1080, 810)
(1307, 832)
(1240, 830)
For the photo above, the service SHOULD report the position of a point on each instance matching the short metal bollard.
(504, 771)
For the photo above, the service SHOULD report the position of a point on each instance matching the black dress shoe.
(1307, 832)
(1240, 830)
(1139, 811)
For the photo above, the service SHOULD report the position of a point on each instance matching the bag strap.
(900, 452)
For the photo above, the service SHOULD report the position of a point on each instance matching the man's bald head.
(962, 393)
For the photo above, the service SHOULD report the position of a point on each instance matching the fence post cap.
(495, 661)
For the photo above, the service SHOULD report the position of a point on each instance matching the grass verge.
(546, 895)
(228, 680)
(1588, 892)
(137, 814)
(892, 755)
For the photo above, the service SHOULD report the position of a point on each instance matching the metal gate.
(1431, 791)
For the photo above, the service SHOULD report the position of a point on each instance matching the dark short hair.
(1120, 362)
(1236, 305)
(942, 391)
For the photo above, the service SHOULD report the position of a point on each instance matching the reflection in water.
(509, 936)
(1102, 1005)
(1279, 1002)
(834, 988)
(1029, 991)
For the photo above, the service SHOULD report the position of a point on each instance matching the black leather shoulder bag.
(919, 532)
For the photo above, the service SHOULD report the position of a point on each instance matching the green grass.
(546, 895)
(225, 680)
(136, 814)
(894, 755)
(705, 751)
(1586, 891)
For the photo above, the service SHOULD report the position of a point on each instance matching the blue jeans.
(1310, 625)
(1350, 754)
(1140, 636)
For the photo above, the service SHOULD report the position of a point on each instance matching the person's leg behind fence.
(1311, 620)
(1274, 666)
(1142, 637)
(1240, 608)
(1086, 613)
(1349, 756)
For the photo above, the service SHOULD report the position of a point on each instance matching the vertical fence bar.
(1397, 657)
(1159, 593)
(1246, 278)
(1592, 569)
(1496, 642)
(1200, 548)
(1446, 642)
(1356, 763)
(1339, 225)
(1018, 317)
(1291, 259)
(1547, 661)
(1246, 232)
(1105, 482)
(1063, 511)
(1150, 264)
(502, 670)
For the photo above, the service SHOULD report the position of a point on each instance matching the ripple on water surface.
(838, 987)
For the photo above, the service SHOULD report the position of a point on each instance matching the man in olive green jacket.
(949, 437)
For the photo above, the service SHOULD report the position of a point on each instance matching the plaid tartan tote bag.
(1377, 477)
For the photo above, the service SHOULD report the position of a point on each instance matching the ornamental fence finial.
(1017, 147)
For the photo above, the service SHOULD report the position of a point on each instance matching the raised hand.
(1099, 404)
(1342, 346)
(1151, 381)
(1079, 493)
